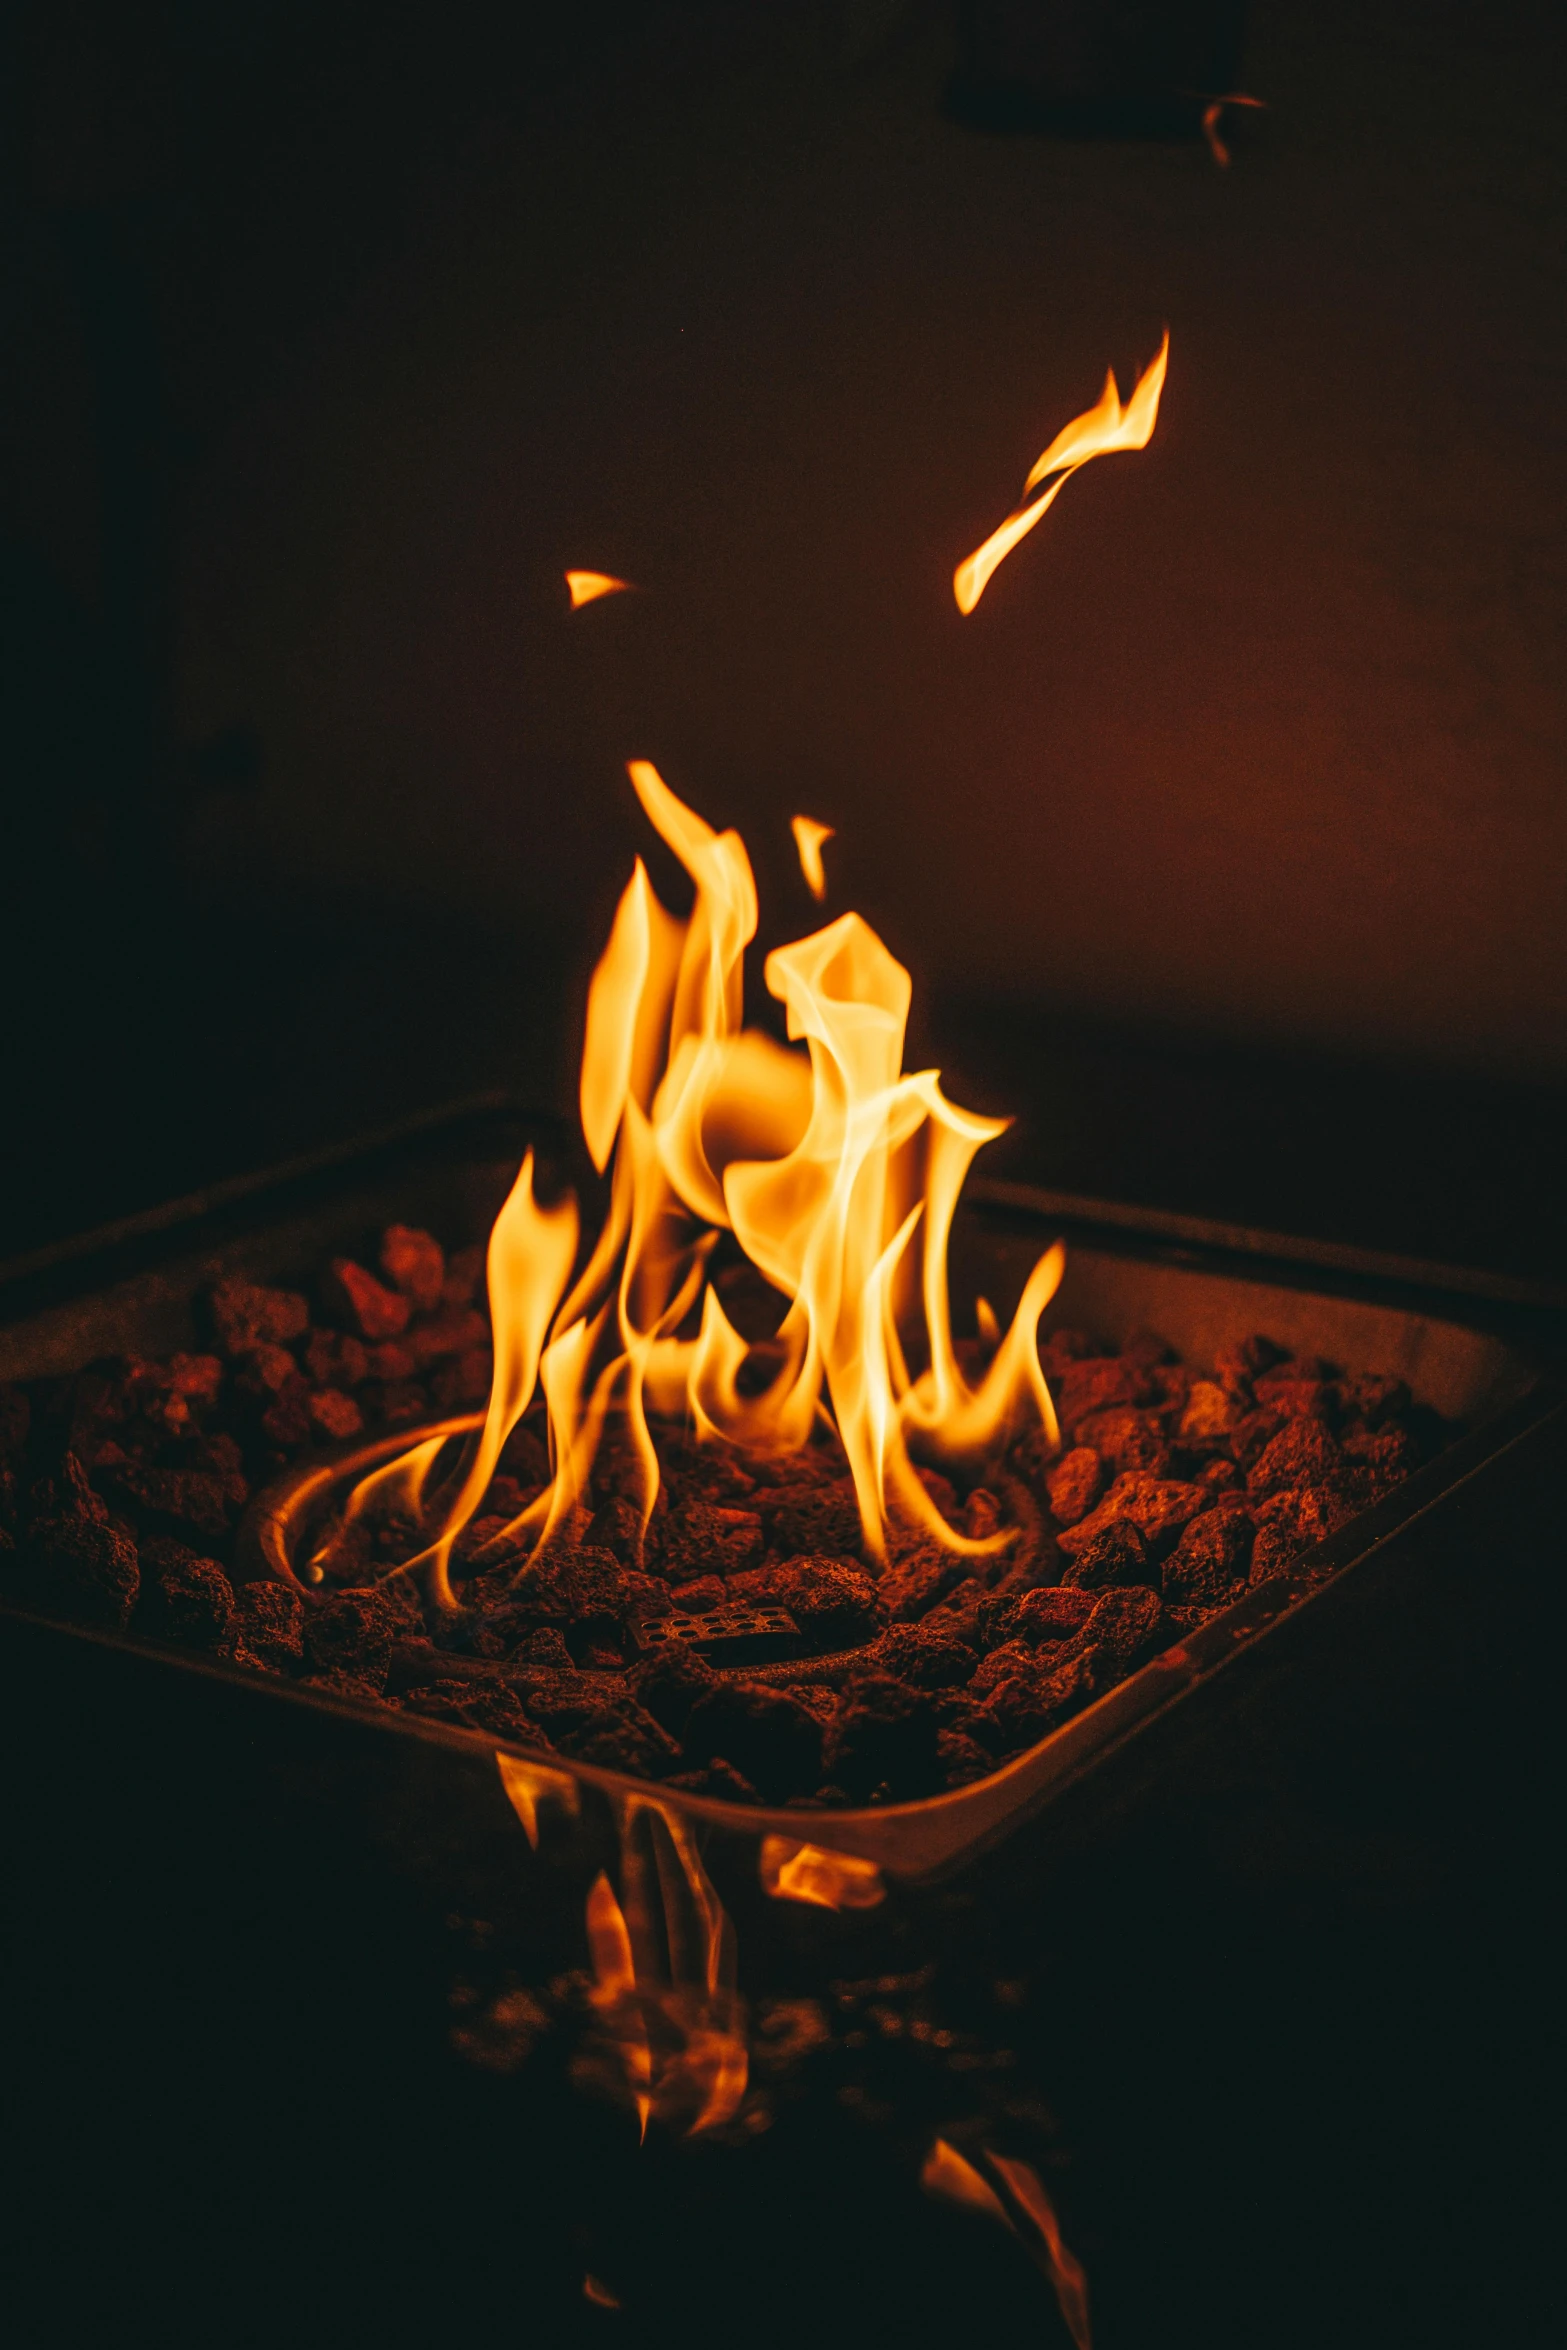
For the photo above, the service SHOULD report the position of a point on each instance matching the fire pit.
(1205, 1310)
(744, 1525)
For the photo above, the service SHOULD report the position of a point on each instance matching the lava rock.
(719, 1779)
(269, 1619)
(1125, 1628)
(1095, 1385)
(1211, 1558)
(926, 1656)
(1117, 1553)
(1297, 1397)
(376, 1312)
(184, 1597)
(765, 1733)
(962, 1759)
(1157, 1506)
(524, 1456)
(819, 1523)
(456, 1330)
(1294, 1521)
(1074, 1485)
(918, 1576)
(353, 1633)
(488, 1706)
(834, 1604)
(1011, 1658)
(1125, 1439)
(709, 1538)
(670, 1684)
(544, 1648)
(79, 1564)
(584, 1592)
(1027, 1704)
(617, 1526)
(1237, 1366)
(415, 1263)
(622, 1737)
(1372, 1398)
(246, 1314)
(334, 1415)
(882, 1735)
(1302, 1453)
(190, 1499)
(1210, 1414)
(1053, 1611)
(334, 1359)
(1390, 1454)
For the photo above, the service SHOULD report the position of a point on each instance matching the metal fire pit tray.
(1482, 1352)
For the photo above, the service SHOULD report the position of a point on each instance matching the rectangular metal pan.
(1484, 1360)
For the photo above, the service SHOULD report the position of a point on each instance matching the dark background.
(1225, 840)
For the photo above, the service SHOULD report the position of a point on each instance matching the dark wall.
(338, 332)
(1262, 729)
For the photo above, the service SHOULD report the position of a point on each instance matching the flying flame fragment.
(586, 587)
(1098, 432)
(808, 839)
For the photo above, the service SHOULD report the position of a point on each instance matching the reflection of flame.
(825, 1164)
(828, 1880)
(948, 2175)
(530, 1785)
(1213, 117)
(1096, 433)
(808, 839)
(587, 586)
(1064, 2269)
(664, 1975)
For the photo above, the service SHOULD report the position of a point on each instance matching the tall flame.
(1096, 433)
(837, 1172)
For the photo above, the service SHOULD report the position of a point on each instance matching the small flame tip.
(586, 587)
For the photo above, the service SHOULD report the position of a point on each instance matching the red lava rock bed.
(743, 1647)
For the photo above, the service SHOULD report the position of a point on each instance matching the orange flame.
(586, 587)
(950, 2176)
(826, 1880)
(808, 839)
(1096, 433)
(837, 1172)
(530, 1258)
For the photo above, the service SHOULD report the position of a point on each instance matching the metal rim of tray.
(918, 1840)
